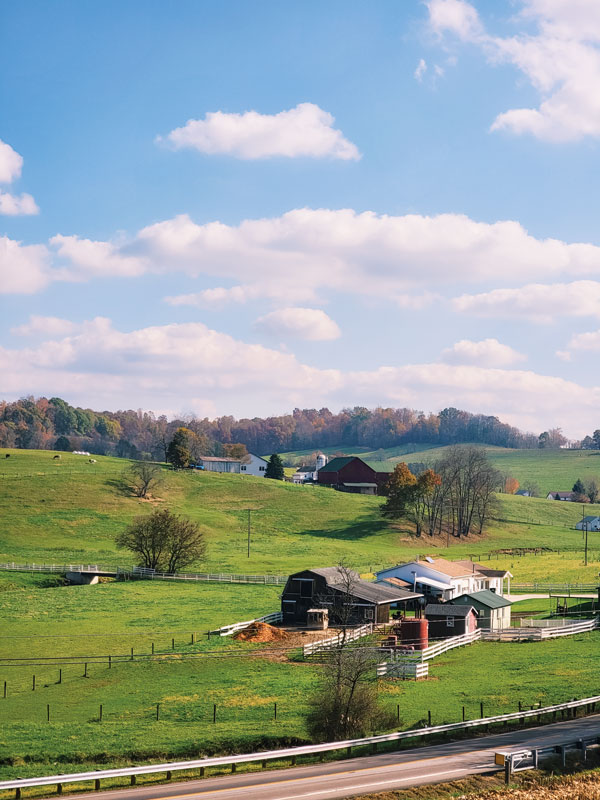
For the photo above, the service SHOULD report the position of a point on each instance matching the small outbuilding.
(447, 619)
(589, 523)
(493, 611)
(343, 593)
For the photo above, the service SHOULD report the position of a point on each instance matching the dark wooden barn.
(345, 595)
(449, 620)
(352, 474)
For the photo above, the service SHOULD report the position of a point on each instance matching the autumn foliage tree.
(410, 497)
(511, 485)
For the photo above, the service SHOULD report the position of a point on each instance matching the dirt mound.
(260, 632)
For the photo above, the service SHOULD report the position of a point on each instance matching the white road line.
(351, 788)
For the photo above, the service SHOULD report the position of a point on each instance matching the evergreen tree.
(178, 452)
(62, 443)
(578, 487)
(275, 468)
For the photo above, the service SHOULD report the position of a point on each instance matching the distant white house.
(309, 474)
(440, 578)
(254, 466)
(565, 496)
(589, 523)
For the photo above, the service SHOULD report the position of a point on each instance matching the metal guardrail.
(292, 752)
(229, 630)
(351, 635)
(521, 760)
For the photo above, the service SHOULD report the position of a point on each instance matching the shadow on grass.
(363, 527)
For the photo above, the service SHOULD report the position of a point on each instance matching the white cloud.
(457, 16)
(420, 70)
(311, 324)
(24, 269)
(89, 258)
(45, 326)
(11, 164)
(190, 366)
(589, 342)
(486, 353)
(294, 258)
(537, 302)
(561, 60)
(17, 205)
(303, 131)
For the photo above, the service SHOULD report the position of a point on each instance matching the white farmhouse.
(257, 466)
(440, 578)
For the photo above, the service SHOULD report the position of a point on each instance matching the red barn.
(352, 474)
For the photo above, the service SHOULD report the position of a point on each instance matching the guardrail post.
(234, 767)
(202, 772)
(97, 784)
(535, 759)
(507, 769)
(133, 780)
(349, 751)
(59, 788)
(17, 793)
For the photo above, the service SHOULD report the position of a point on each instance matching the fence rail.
(403, 669)
(553, 587)
(292, 752)
(146, 574)
(229, 630)
(538, 634)
(322, 645)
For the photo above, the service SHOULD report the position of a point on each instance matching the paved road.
(358, 776)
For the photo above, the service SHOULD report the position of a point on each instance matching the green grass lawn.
(41, 620)
(70, 511)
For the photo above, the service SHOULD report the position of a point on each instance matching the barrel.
(415, 632)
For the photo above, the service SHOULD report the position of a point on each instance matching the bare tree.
(163, 541)
(339, 598)
(344, 704)
(143, 476)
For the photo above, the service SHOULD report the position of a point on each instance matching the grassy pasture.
(69, 512)
(42, 621)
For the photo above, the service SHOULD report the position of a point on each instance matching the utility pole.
(249, 535)
(585, 525)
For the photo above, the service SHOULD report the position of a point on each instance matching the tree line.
(44, 423)
(455, 495)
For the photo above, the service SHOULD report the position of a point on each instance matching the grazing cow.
(92, 460)
(57, 456)
(7, 455)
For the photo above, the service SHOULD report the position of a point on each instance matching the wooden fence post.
(429, 718)
(33, 686)
(275, 711)
(481, 709)
(85, 670)
(48, 712)
(5, 690)
(157, 711)
(60, 675)
(463, 709)
(100, 718)
(214, 712)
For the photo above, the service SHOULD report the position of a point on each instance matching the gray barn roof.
(447, 610)
(365, 590)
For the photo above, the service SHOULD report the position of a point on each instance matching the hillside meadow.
(57, 628)
(69, 510)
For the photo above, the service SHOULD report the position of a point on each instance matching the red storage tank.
(415, 632)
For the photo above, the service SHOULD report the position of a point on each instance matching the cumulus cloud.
(561, 60)
(45, 326)
(303, 131)
(486, 353)
(11, 164)
(311, 324)
(191, 366)
(295, 257)
(536, 302)
(589, 342)
(87, 258)
(13, 205)
(24, 269)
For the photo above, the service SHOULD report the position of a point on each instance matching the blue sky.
(243, 207)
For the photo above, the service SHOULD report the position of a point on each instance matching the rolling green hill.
(69, 510)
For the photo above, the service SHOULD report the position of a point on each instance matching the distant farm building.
(352, 474)
(493, 611)
(447, 619)
(589, 524)
(255, 465)
(523, 493)
(334, 589)
(308, 474)
(566, 496)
